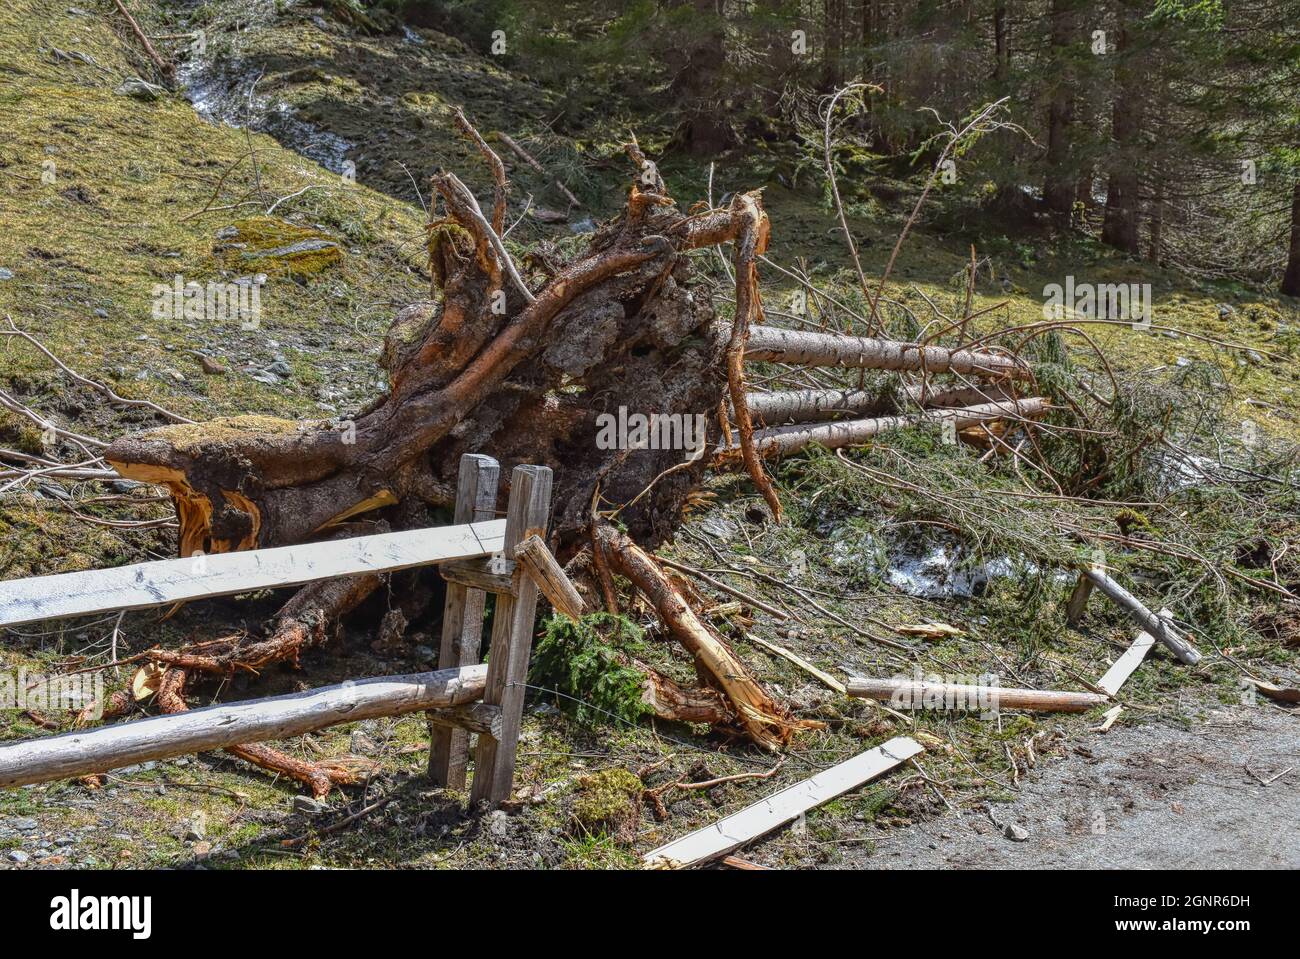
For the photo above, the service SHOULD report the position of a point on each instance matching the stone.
(18, 856)
(305, 804)
(139, 89)
(1015, 833)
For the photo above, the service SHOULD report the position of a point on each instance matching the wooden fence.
(475, 556)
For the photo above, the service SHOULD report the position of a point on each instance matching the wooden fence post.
(512, 639)
(462, 618)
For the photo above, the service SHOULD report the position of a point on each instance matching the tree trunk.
(1291, 279)
(1120, 226)
(698, 86)
(1058, 183)
(1001, 48)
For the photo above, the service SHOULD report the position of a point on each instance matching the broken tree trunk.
(84, 752)
(805, 348)
(1160, 628)
(788, 439)
(804, 406)
(763, 719)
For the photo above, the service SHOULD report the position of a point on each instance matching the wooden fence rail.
(477, 559)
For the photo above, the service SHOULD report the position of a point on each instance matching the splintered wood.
(781, 807)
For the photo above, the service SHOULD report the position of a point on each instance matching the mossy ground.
(125, 211)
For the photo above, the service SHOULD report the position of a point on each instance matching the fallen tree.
(517, 358)
(521, 356)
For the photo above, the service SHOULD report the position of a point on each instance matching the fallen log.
(780, 808)
(83, 752)
(804, 406)
(789, 439)
(1159, 628)
(805, 348)
(766, 722)
(919, 694)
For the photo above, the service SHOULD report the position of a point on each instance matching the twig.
(102, 388)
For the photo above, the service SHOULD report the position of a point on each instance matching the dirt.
(1155, 796)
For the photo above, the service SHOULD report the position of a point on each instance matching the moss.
(272, 245)
(609, 803)
(189, 438)
(20, 434)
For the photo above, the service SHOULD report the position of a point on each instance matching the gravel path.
(1149, 796)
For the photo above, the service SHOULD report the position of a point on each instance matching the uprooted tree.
(517, 360)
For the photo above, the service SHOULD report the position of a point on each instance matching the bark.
(804, 406)
(1121, 222)
(790, 439)
(911, 694)
(1291, 279)
(802, 348)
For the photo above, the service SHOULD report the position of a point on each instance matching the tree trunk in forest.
(1001, 43)
(1291, 279)
(1120, 227)
(1156, 222)
(1058, 183)
(697, 82)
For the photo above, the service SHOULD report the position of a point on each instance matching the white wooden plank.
(142, 585)
(782, 807)
(1122, 668)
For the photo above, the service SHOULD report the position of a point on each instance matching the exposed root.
(303, 623)
(319, 777)
(765, 721)
(751, 242)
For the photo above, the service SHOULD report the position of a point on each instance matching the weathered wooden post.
(462, 618)
(512, 637)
